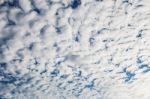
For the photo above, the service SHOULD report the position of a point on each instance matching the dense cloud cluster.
(74, 49)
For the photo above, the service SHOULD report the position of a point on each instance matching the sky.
(74, 49)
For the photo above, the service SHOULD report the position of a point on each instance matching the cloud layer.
(74, 49)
